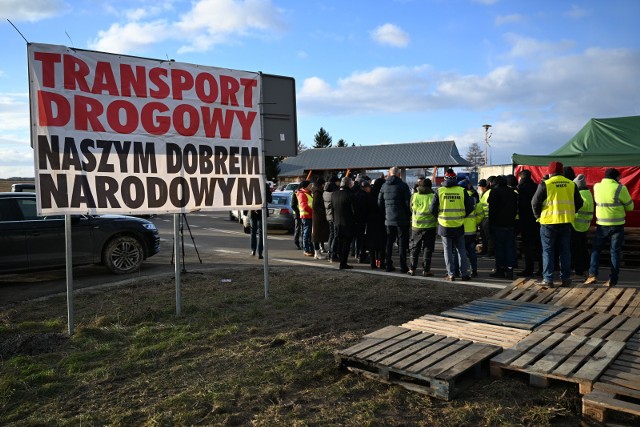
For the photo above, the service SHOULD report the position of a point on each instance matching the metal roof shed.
(407, 155)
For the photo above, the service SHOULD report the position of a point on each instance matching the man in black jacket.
(344, 219)
(503, 209)
(394, 199)
(529, 227)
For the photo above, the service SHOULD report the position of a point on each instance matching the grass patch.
(234, 358)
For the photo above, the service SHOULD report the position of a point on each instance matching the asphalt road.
(217, 241)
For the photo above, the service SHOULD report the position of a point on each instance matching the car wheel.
(123, 254)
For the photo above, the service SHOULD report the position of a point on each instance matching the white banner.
(121, 134)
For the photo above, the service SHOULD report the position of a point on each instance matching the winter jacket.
(394, 199)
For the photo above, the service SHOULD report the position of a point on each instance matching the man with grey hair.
(395, 200)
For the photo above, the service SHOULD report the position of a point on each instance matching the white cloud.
(130, 37)
(14, 112)
(32, 10)
(211, 22)
(391, 35)
(207, 23)
(576, 12)
(509, 19)
(526, 47)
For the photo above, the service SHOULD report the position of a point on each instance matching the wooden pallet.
(428, 363)
(550, 355)
(478, 332)
(514, 314)
(619, 386)
(592, 324)
(616, 300)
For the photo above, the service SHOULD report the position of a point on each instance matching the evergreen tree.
(272, 164)
(322, 139)
(341, 143)
(475, 156)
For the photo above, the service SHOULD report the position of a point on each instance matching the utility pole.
(487, 135)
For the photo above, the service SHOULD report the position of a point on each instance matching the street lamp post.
(486, 142)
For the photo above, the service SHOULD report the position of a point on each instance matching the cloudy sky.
(367, 71)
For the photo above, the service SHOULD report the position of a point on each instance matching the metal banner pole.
(69, 269)
(263, 191)
(176, 261)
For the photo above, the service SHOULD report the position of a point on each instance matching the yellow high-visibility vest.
(612, 200)
(484, 202)
(559, 207)
(472, 220)
(421, 216)
(451, 212)
(585, 214)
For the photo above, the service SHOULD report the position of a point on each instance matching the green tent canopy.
(601, 142)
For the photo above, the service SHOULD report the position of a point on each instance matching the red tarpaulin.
(630, 177)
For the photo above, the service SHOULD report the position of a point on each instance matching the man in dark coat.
(376, 232)
(330, 187)
(503, 210)
(360, 201)
(395, 199)
(344, 219)
(529, 227)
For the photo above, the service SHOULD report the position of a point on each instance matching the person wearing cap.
(503, 211)
(612, 201)
(305, 204)
(423, 229)
(581, 224)
(344, 218)
(529, 227)
(451, 205)
(394, 199)
(555, 204)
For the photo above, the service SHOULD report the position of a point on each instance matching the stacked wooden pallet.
(618, 388)
(432, 364)
(616, 300)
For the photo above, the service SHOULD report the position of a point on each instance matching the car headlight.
(149, 226)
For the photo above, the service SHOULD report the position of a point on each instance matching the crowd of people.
(367, 219)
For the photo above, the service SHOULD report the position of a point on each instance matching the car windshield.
(292, 187)
(280, 199)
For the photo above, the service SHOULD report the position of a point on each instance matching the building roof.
(408, 155)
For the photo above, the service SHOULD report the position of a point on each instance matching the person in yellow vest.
(471, 223)
(305, 204)
(555, 204)
(423, 229)
(581, 224)
(451, 205)
(484, 190)
(612, 201)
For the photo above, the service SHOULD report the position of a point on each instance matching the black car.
(29, 242)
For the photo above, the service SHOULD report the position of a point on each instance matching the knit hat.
(304, 184)
(449, 174)
(581, 182)
(555, 168)
(464, 183)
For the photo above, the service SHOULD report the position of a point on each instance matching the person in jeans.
(305, 204)
(451, 205)
(503, 210)
(256, 237)
(344, 218)
(612, 201)
(555, 204)
(330, 187)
